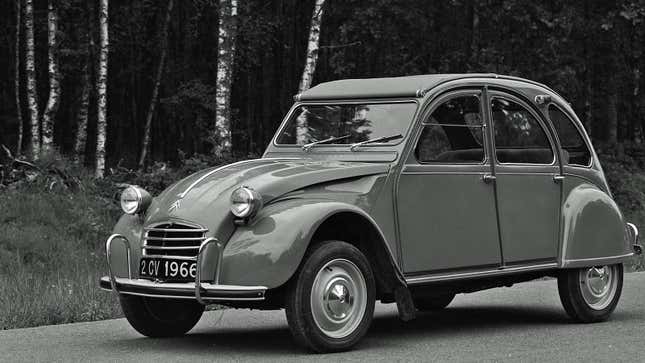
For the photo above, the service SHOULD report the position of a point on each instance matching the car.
(405, 190)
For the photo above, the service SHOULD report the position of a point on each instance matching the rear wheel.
(591, 294)
(330, 303)
(159, 318)
(433, 303)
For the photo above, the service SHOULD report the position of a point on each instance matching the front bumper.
(203, 292)
(186, 290)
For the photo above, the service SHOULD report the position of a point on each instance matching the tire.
(591, 294)
(330, 301)
(433, 303)
(160, 318)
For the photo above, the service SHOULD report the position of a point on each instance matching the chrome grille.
(173, 239)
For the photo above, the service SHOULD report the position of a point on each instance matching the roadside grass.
(52, 237)
(51, 257)
(58, 296)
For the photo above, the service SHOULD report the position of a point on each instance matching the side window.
(575, 149)
(519, 137)
(453, 133)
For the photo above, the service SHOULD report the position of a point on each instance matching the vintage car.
(406, 190)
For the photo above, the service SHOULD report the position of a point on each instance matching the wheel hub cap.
(338, 298)
(598, 286)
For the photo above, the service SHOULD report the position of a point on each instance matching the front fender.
(593, 228)
(268, 251)
(131, 227)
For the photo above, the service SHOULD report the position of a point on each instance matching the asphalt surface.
(523, 323)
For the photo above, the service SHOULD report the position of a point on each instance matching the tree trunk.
(155, 90)
(612, 115)
(310, 66)
(83, 114)
(54, 79)
(101, 90)
(17, 80)
(225, 59)
(636, 126)
(588, 73)
(32, 89)
(474, 37)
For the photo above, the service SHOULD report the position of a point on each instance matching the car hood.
(203, 197)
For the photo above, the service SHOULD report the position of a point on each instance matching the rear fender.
(594, 231)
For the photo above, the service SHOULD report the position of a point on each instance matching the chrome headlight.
(135, 200)
(245, 202)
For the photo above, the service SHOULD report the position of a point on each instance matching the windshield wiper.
(378, 139)
(307, 147)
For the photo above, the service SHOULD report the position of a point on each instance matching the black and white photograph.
(322, 180)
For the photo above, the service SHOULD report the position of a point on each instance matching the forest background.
(97, 93)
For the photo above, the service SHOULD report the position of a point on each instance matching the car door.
(445, 200)
(528, 184)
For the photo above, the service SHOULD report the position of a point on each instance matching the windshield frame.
(295, 106)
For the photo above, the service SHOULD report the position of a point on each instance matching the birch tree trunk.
(32, 89)
(54, 79)
(302, 134)
(17, 80)
(155, 90)
(101, 90)
(225, 59)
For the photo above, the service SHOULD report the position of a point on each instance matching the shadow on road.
(386, 330)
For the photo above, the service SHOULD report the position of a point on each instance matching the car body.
(485, 181)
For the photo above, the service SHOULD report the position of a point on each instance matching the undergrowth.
(54, 222)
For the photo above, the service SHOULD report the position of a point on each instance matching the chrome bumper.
(186, 290)
(198, 290)
(638, 249)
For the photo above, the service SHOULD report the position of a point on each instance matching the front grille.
(173, 240)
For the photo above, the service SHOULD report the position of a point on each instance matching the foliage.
(53, 225)
(159, 176)
(51, 251)
(55, 215)
(591, 52)
(626, 180)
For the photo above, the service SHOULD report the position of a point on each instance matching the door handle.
(488, 178)
(558, 178)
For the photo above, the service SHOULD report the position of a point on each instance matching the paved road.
(522, 323)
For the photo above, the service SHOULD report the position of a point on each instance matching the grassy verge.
(51, 256)
(52, 235)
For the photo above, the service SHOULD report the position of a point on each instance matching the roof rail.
(422, 92)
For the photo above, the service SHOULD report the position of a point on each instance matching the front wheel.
(591, 294)
(330, 303)
(160, 318)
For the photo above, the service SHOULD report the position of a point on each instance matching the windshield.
(311, 123)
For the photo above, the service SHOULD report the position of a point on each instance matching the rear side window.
(575, 149)
(519, 137)
(453, 133)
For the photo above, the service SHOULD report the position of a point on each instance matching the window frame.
(477, 93)
(342, 147)
(541, 122)
(577, 128)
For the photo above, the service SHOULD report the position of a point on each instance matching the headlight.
(245, 202)
(135, 200)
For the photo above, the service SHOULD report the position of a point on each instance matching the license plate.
(167, 269)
